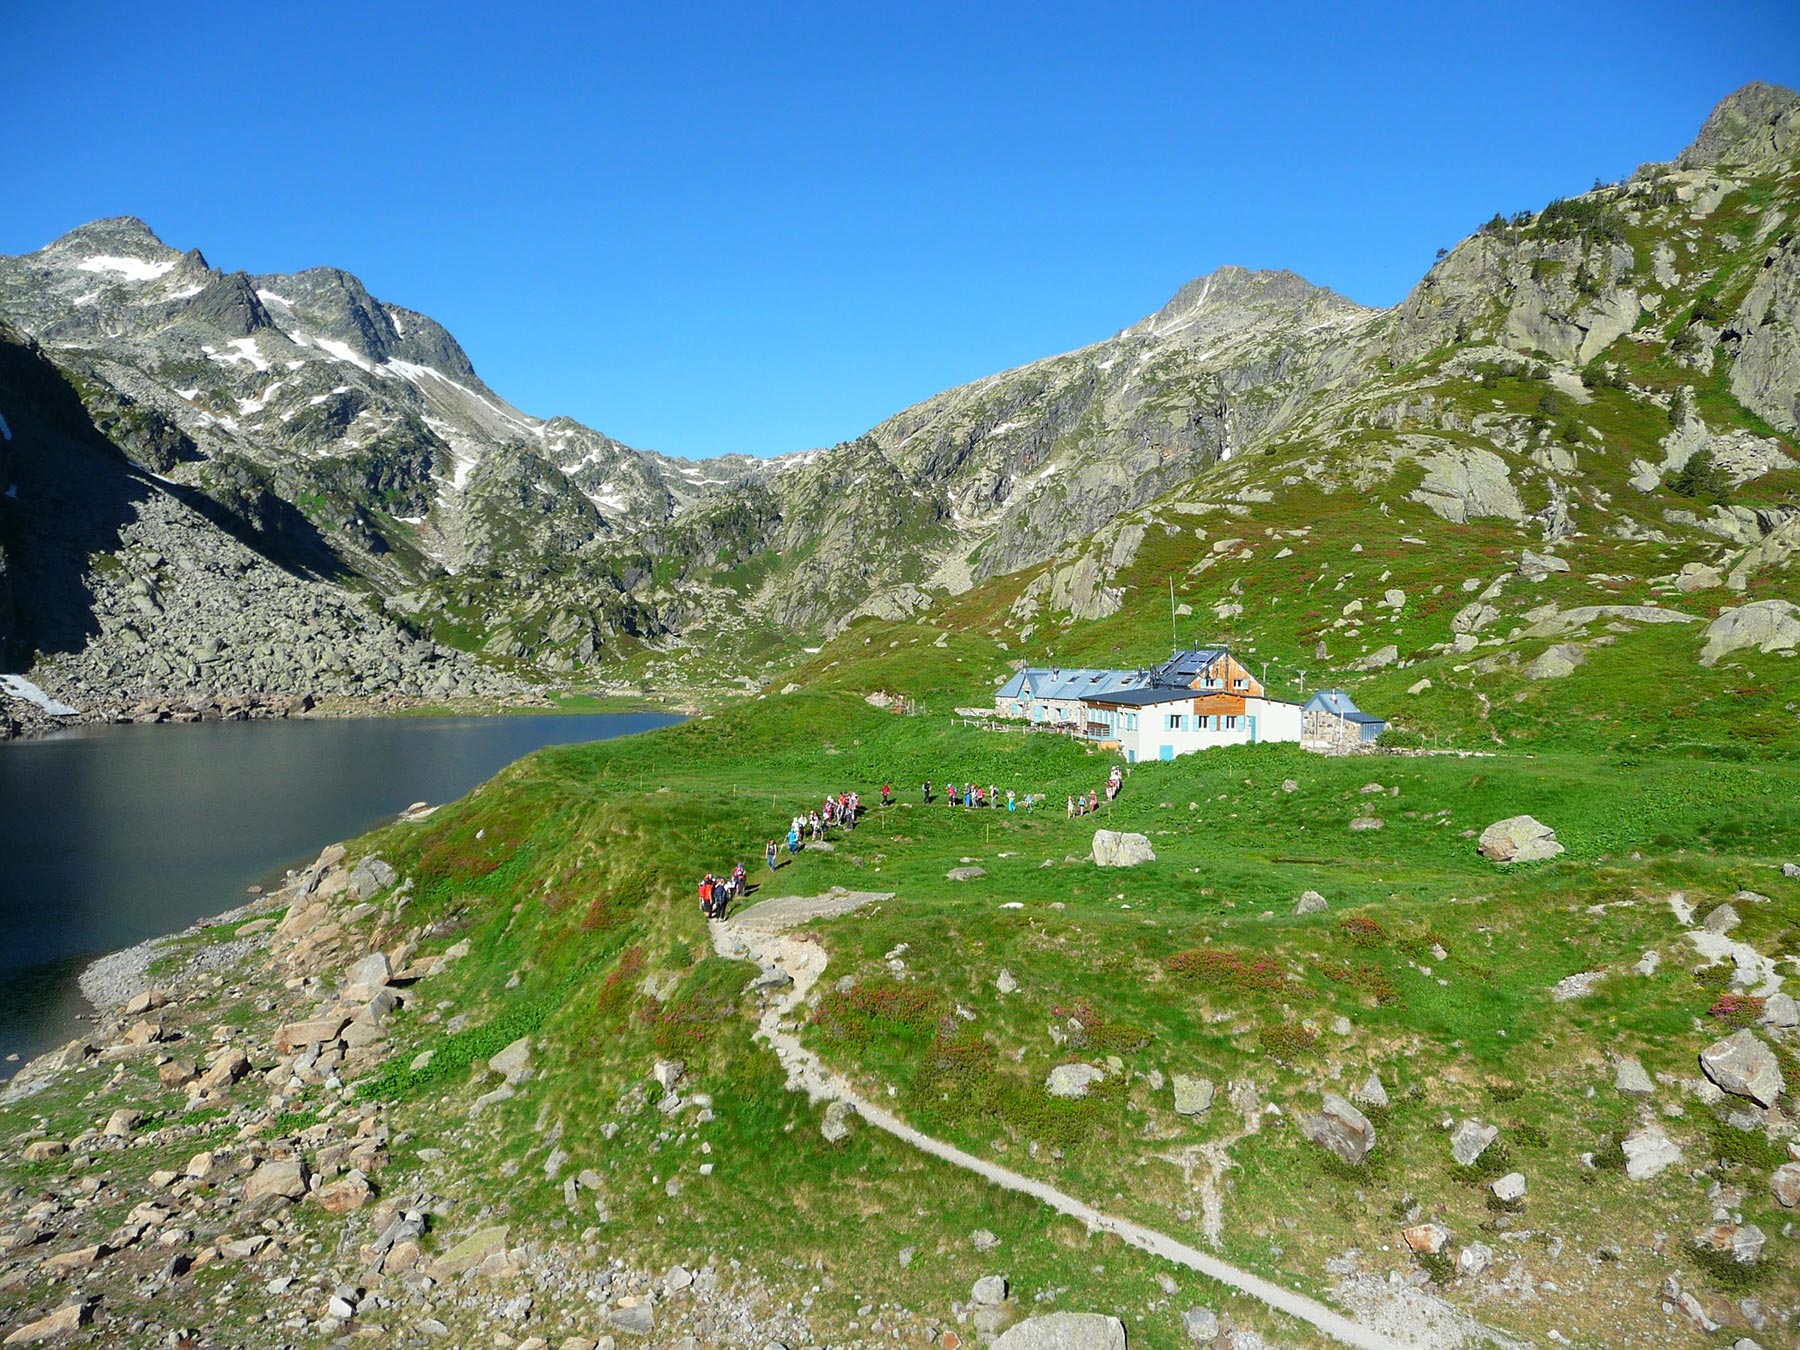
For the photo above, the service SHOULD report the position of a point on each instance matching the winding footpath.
(760, 934)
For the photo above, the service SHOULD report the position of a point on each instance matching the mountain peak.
(1233, 297)
(1759, 123)
(124, 235)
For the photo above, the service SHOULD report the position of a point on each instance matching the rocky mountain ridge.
(341, 436)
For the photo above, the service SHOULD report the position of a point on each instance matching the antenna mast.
(1174, 636)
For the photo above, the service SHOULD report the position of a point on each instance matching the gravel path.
(757, 935)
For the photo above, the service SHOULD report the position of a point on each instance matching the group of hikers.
(973, 796)
(1086, 806)
(841, 811)
(717, 893)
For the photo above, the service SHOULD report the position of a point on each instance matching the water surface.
(110, 835)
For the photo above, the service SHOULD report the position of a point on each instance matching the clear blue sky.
(766, 227)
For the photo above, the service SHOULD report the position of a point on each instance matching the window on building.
(1231, 723)
(1174, 722)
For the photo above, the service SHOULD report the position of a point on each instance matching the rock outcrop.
(1765, 625)
(1064, 1331)
(1744, 1066)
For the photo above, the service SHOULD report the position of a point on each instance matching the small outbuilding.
(1331, 717)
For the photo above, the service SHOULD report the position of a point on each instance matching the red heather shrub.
(1737, 1010)
(1227, 970)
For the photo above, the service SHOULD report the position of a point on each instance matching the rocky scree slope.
(119, 588)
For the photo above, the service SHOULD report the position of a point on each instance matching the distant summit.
(1232, 298)
(1757, 124)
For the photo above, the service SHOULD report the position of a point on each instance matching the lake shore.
(111, 981)
(124, 839)
(20, 720)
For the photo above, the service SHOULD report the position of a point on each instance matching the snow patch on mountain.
(242, 349)
(131, 269)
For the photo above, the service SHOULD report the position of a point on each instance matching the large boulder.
(1201, 1325)
(1743, 1243)
(1780, 1010)
(1518, 839)
(1065, 1331)
(371, 877)
(633, 1318)
(1632, 1079)
(1470, 1140)
(277, 1179)
(71, 1317)
(989, 1290)
(1193, 1096)
(514, 1062)
(1784, 1184)
(1427, 1238)
(1114, 849)
(1722, 919)
(1767, 625)
(1372, 1093)
(1463, 483)
(319, 1031)
(367, 977)
(1073, 1080)
(1648, 1151)
(469, 1253)
(836, 1125)
(1340, 1128)
(1743, 1066)
(1554, 663)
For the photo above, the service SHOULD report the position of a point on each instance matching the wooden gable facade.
(1215, 672)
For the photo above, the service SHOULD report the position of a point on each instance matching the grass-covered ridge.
(573, 872)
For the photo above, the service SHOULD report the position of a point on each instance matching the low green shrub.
(1746, 1148)
(1726, 1273)
(1532, 1136)
(1610, 1156)
(1368, 979)
(1099, 1033)
(1287, 1040)
(1495, 1161)
(875, 1008)
(1441, 1266)
(694, 1016)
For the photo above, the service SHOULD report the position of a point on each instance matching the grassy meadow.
(571, 876)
